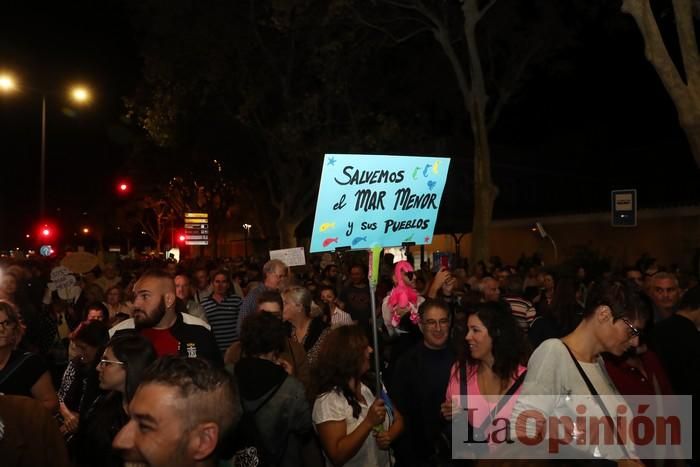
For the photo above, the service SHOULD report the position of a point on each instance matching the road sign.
(624, 208)
(196, 228)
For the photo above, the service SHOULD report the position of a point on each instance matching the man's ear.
(203, 440)
(169, 298)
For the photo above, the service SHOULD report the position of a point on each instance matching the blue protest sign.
(367, 200)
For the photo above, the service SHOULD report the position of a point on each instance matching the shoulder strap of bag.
(8, 371)
(597, 398)
(503, 400)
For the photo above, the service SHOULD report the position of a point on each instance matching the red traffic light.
(46, 231)
(123, 187)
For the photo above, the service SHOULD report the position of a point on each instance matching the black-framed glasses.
(7, 324)
(105, 362)
(433, 323)
(634, 332)
(409, 275)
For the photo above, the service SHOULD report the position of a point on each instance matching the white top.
(554, 387)
(129, 323)
(332, 406)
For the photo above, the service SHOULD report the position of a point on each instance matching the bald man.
(157, 316)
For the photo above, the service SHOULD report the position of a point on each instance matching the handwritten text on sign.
(384, 200)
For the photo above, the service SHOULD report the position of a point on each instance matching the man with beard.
(181, 413)
(171, 332)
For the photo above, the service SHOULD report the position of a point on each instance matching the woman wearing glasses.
(120, 369)
(22, 373)
(570, 371)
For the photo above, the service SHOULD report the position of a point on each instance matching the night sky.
(603, 122)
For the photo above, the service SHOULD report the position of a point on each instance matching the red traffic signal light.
(46, 232)
(123, 187)
(180, 236)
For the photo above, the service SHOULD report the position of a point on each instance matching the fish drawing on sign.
(427, 239)
(435, 167)
(415, 172)
(326, 226)
(431, 184)
(408, 239)
(329, 240)
(358, 240)
(425, 170)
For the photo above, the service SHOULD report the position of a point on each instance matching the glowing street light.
(86, 230)
(7, 83)
(78, 94)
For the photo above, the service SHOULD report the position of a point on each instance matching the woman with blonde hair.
(309, 332)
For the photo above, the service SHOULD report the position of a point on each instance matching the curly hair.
(262, 333)
(340, 359)
(509, 347)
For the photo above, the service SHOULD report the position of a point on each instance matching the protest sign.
(290, 256)
(61, 278)
(370, 200)
(80, 262)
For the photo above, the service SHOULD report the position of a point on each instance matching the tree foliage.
(274, 82)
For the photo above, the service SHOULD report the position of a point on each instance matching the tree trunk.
(683, 86)
(287, 231)
(692, 132)
(485, 191)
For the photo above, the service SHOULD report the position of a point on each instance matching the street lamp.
(78, 94)
(7, 83)
(246, 229)
(539, 228)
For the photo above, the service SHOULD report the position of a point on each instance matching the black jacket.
(194, 340)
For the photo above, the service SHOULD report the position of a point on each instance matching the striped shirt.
(340, 318)
(523, 311)
(223, 318)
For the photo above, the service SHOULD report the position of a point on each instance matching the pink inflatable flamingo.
(403, 296)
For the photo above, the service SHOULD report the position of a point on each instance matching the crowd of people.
(234, 363)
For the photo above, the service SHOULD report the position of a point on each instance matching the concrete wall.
(670, 235)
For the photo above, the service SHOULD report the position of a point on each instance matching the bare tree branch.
(655, 49)
(683, 11)
(506, 92)
(485, 9)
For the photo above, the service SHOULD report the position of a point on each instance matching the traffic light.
(46, 232)
(123, 187)
(180, 237)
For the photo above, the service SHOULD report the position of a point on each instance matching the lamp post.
(78, 94)
(246, 229)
